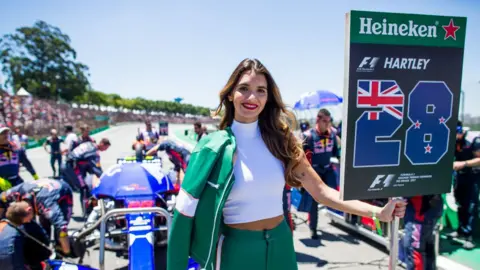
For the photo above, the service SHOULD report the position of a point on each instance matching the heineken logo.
(385, 28)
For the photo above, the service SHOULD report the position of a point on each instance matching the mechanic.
(339, 130)
(177, 154)
(70, 138)
(12, 241)
(320, 145)
(421, 217)
(149, 136)
(145, 140)
(20, 139)
(26, 233)
(467, 182)
(10, 157)
(55, 150)
(197, 128)
(82, 160)
(51, 201)
(85, 137)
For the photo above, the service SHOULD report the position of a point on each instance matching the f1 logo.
(368, 64)
(380, 179)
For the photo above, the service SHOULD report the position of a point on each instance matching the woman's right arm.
(325, 195)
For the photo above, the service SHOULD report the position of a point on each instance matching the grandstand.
(36, 117)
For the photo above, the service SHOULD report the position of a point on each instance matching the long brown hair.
(275, 121)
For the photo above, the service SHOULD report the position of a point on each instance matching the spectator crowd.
(36, 117)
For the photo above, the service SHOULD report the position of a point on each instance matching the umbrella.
(133, 179)
(317, 99)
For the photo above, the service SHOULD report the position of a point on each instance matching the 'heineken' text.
(385, 28)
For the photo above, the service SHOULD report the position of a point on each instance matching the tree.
(41, 60)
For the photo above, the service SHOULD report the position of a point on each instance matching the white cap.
(4, 128)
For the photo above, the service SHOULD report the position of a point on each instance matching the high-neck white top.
(259, 179)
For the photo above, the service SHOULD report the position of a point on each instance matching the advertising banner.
(401, 99)
(163, 128)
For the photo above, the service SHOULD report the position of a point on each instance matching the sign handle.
(394, 224)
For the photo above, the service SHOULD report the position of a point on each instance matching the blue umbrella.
(317, 99)
(132, 179)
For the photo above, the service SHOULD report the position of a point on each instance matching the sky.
(160, 50)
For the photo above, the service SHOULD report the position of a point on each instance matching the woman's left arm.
(325, 195)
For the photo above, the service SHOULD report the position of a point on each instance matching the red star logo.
(442, 120)
(450, 30)
(428, 148)
(417, 124)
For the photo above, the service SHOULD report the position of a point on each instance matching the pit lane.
(336, 249)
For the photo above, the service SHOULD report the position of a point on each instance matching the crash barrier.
(37, 143)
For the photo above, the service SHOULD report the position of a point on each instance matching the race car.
(133, 212)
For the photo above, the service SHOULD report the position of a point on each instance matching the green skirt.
(256, 250)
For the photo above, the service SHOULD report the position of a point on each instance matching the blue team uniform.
(179, 155)
(53, 202)
(10, 158)
(320, 148)
(421, 217)
(467, 185)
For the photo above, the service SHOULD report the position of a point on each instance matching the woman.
(229, 212)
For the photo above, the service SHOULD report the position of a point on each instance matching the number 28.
(426, 140)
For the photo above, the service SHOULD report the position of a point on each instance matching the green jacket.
(198, 213)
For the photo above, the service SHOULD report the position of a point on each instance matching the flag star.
(442, 120)
(428, 148)
(417, 124)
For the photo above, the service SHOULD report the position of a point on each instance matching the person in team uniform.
(320, 145)
(197, 128)
(20, 138)
(82, 160)
(84, 137)
(421, 217)
(178, 154)
(467, 184)
(339, 130)
(55, 151)
(10, 158)
(17, 250)
(70, 138)
(12, 241)
(51, 200)
(149, 136)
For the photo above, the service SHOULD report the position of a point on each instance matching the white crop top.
(259, 179)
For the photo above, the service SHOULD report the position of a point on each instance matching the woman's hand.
(458, 165)
(394, 208)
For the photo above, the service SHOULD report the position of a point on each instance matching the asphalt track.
(336, 249)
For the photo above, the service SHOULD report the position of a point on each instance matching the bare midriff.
(259, 225)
